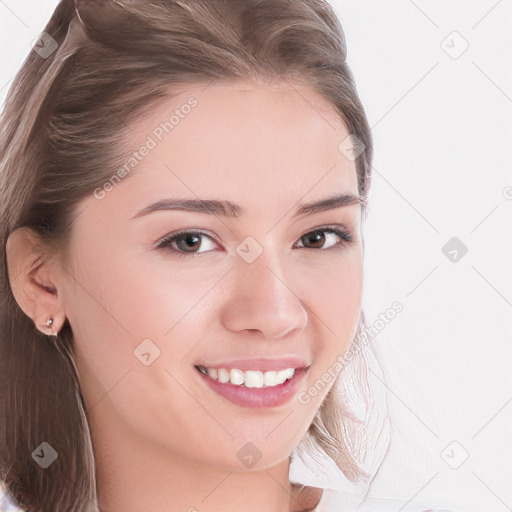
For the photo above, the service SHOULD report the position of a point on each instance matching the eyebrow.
(224, 208)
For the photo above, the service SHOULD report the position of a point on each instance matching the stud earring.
(49, 323)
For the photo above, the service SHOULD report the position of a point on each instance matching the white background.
(443, 137)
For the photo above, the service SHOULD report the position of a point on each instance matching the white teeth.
(222, 375)
(236, 376)
(249, 378)
(253, 379)
(270, 378)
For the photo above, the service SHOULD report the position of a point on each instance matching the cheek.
(105, 304)
(341, 300)
(114, 308)
(335, 294)
(137, 308)
(337, 306)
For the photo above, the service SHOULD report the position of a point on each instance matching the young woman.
(184, 186)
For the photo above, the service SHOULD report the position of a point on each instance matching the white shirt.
(341, 495)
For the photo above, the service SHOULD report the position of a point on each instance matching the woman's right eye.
(184, 240)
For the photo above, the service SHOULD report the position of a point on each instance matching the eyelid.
(184, 231)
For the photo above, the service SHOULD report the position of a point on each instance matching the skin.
(162, 439)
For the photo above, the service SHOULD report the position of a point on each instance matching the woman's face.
(258, 284)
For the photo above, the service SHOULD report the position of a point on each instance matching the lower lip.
(257, 397)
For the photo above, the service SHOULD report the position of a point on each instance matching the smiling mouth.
(249, 390)
(249, 378)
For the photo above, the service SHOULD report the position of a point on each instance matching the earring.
(49, 323)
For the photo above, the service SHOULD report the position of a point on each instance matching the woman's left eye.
(319, 237)
(180, 243)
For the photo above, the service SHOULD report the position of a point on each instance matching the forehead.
(267, 148)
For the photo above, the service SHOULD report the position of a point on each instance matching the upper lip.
(264, 364)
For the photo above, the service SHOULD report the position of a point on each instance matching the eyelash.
(164, 244)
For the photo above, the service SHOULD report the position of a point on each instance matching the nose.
(261, 299)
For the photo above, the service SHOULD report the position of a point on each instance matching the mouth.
(253, 388)
(249, 378)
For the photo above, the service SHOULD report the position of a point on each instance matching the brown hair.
(61, 136)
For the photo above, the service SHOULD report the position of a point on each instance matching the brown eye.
(186, 243)
(191, 242)
(316, 239)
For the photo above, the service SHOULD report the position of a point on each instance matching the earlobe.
(32, 281)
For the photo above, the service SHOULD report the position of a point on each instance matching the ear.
(33, 280)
